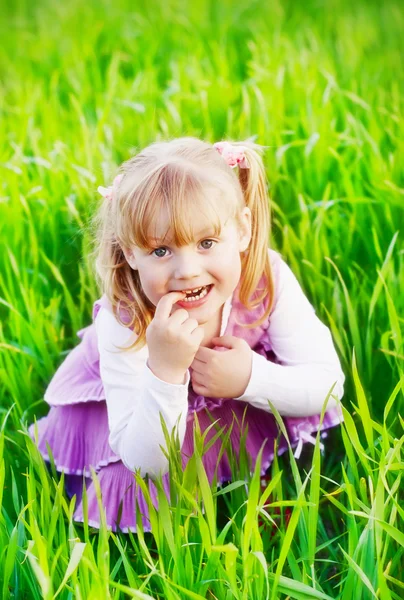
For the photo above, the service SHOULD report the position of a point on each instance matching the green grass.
(82, 87)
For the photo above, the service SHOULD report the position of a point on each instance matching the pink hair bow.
(233, 155)
(109, 192)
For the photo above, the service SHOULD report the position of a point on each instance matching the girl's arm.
(304, 347)
(135, 397)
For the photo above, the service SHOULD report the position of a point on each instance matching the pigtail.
(256, 263)
(114, 275)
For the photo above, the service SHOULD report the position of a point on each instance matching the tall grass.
(82, 87)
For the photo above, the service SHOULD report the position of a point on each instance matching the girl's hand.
(172, 339)
(222, 374)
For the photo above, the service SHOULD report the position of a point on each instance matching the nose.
(187, 267)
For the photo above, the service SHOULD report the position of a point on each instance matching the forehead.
(181, 231)
(178, 214)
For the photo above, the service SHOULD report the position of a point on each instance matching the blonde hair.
(184, 177)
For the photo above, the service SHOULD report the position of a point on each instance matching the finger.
(226, 341)
(197, 335)
(204, 354)
(166, 303)
(200, 389)
(179, 317)
(198, 366)
(197, 379)
(189, 325)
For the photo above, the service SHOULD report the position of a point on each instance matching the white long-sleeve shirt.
(297, 387)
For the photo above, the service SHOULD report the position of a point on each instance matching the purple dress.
(76, 427)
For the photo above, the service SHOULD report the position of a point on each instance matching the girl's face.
(209, 262)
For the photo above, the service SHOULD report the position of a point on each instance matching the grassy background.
(85, 85)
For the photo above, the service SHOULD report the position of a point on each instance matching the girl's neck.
(212, 329)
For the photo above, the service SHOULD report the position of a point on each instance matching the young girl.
(197, 316)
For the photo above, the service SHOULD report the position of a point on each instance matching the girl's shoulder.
(288, 292)
(110, 332)
(102, 302)
(277, 265)
(281, 271)
(275, 258)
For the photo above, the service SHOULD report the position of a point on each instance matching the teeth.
(194, 290)
(199, 296)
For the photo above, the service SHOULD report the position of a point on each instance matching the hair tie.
(110, 191)
(233, 155)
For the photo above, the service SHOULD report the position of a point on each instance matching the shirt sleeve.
(135, 398)
(309, 365)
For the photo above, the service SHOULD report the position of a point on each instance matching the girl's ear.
(130, 259)
(245, 229)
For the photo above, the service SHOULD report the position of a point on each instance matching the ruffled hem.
(78, 380)
(78, 438)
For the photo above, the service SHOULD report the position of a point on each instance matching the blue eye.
(160, 252)
(207, 244)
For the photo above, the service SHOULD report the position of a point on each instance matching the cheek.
(229, 260)
(149, 283)
(152, 280)
(228, 266)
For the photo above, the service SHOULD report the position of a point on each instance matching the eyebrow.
(201, 234)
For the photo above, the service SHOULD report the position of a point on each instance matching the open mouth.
(196, 293)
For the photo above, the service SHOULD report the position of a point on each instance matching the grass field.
(83, 85)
